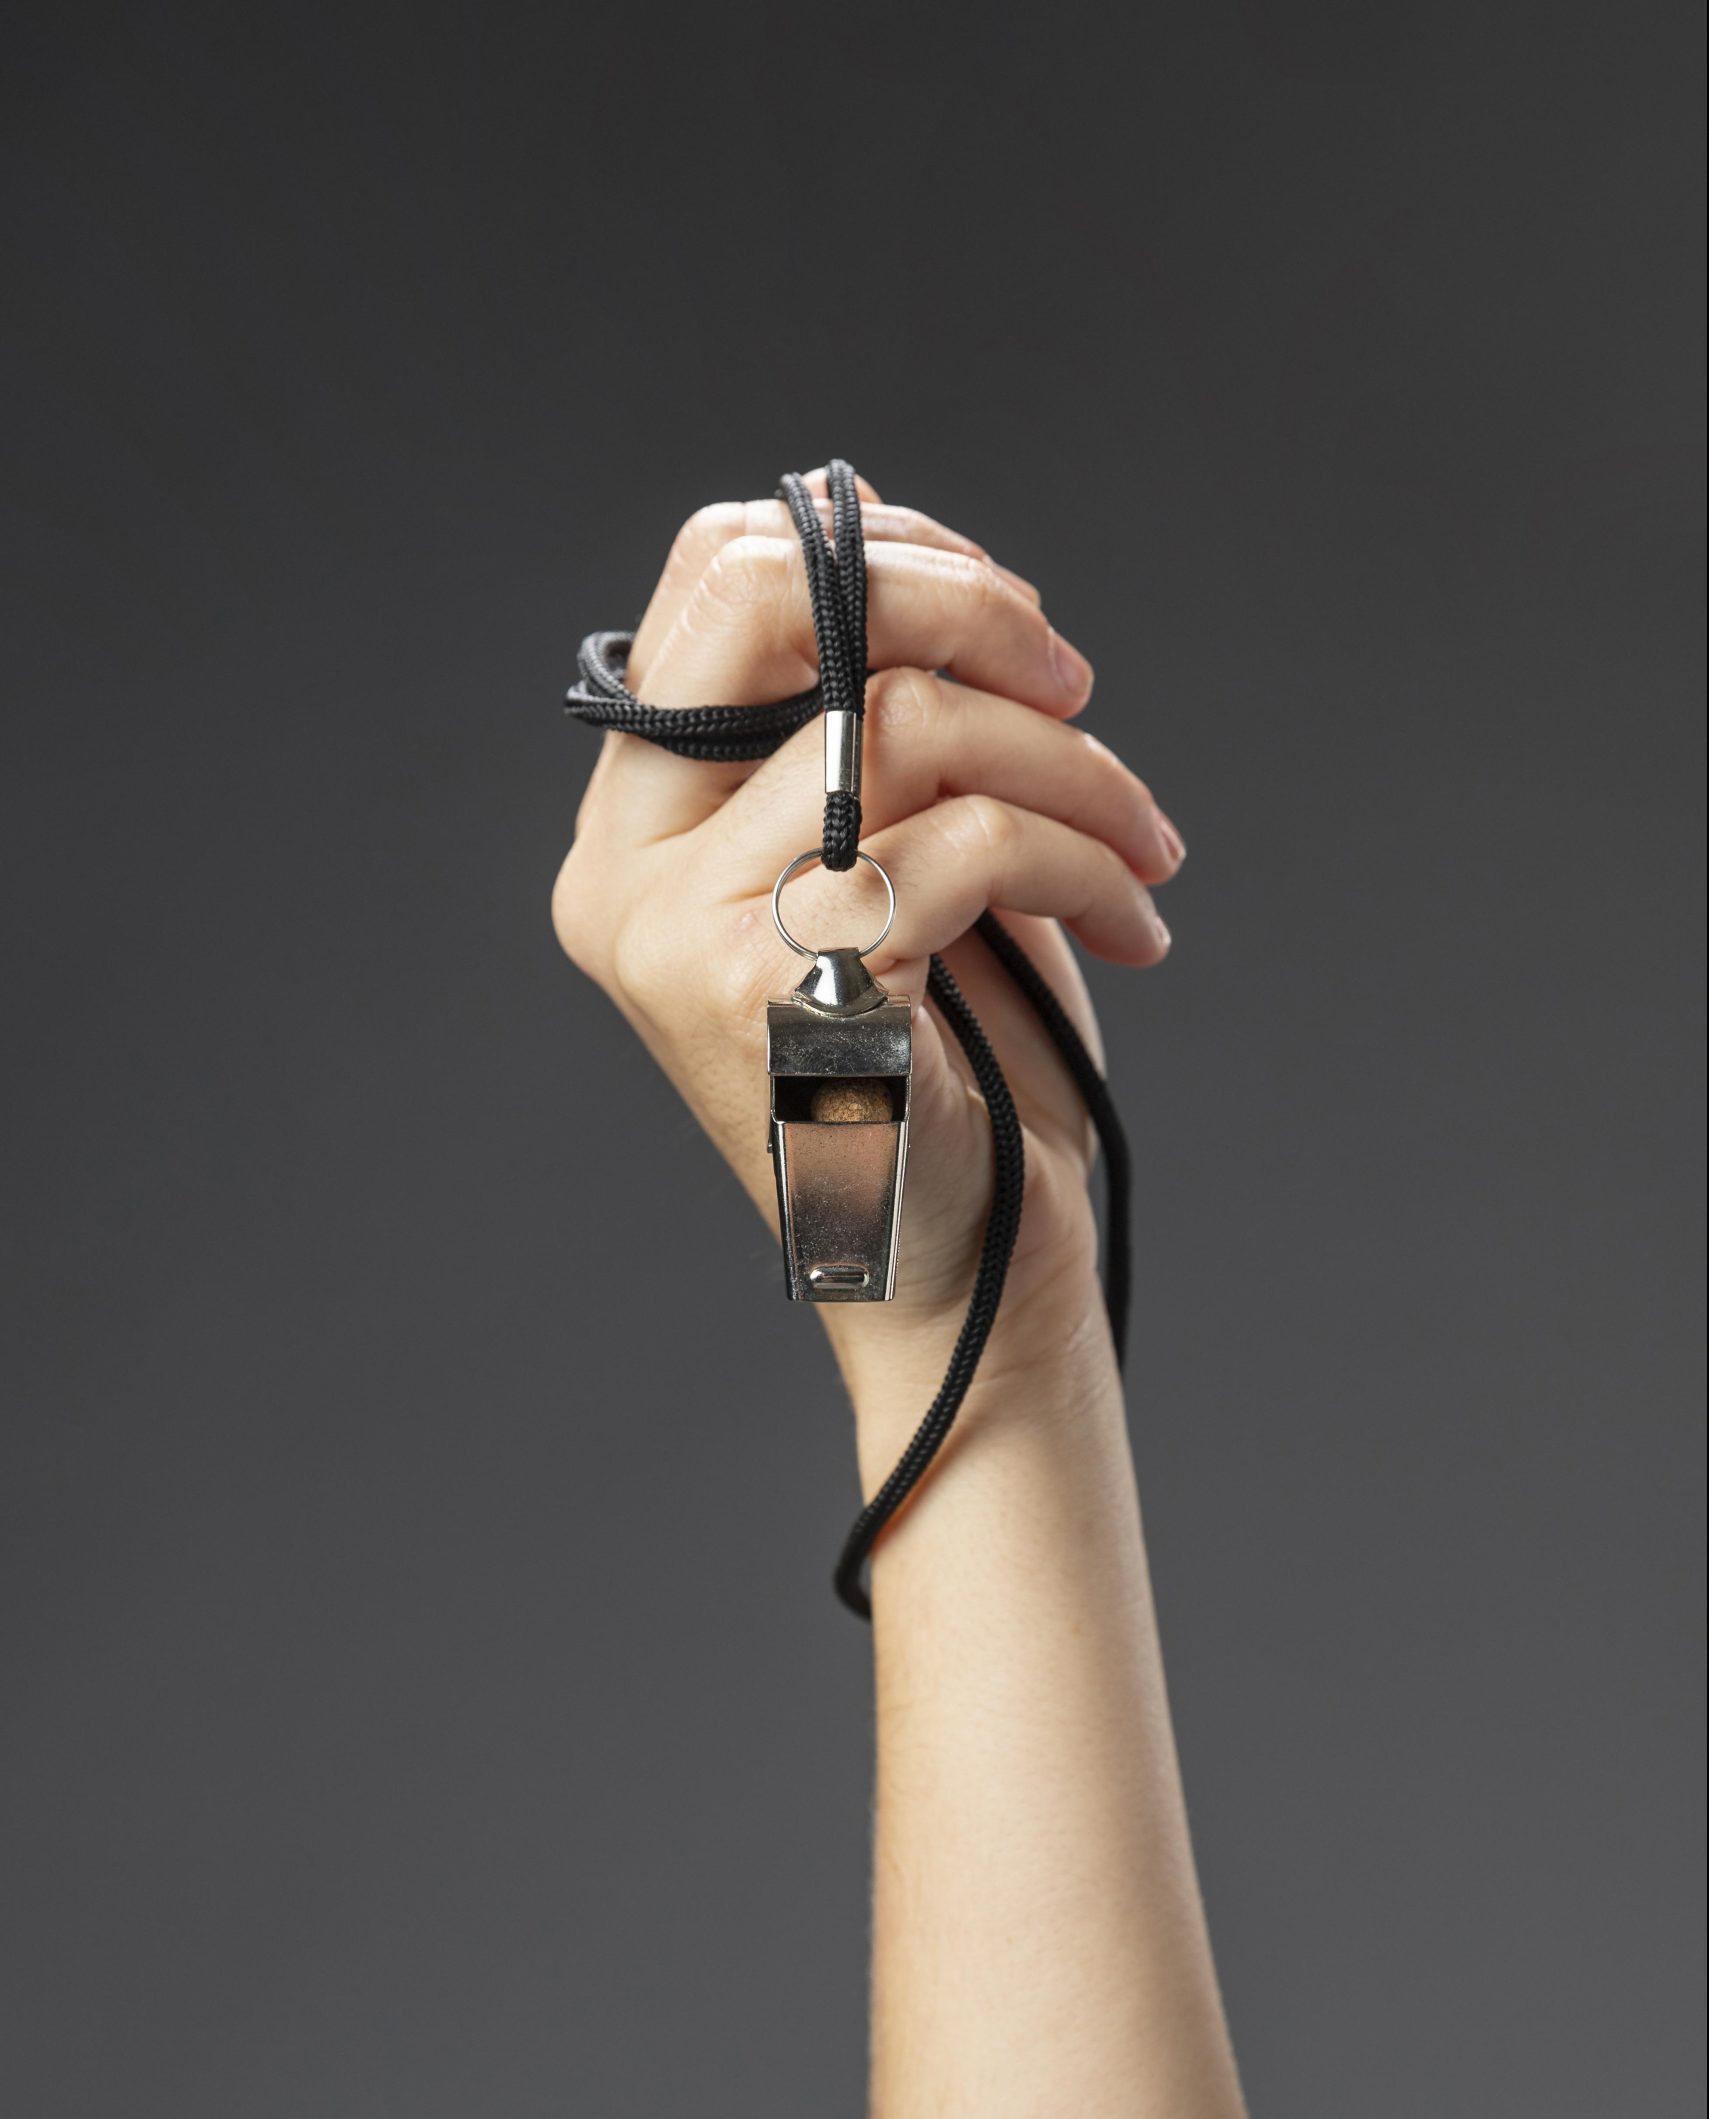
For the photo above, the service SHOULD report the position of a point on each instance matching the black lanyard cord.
(836, 581)
(836, 585)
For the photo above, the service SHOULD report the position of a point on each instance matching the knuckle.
(699, 538)
(735, 977)
(610, 937)
(579, 930)
(900, 699)
(1107, 762)
(1133, 789)
(1044, 1189)
(992, 823)
(1114, 875)
(636, 971)
(971, 578)
(706, 529)
(746, 573)
(921, 528)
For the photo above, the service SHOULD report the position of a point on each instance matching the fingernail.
(1073, 670)
(1162, 934)
(1173, 843)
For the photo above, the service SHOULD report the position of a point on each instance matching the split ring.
(801, 860)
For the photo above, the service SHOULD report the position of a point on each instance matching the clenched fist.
(978, 792)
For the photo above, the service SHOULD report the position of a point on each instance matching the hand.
(977, 793)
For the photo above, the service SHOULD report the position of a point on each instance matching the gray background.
(422, 1693)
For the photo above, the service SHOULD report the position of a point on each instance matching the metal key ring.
(812, 854)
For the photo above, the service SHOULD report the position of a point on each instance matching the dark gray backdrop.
(422, 1693)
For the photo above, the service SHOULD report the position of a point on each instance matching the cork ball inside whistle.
(850, 1103)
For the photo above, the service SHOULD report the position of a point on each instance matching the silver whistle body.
(839, 1051)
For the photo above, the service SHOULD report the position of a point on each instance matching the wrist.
(1049, 1359)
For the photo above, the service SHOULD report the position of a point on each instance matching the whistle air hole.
(840, 1099)
(858, 1101)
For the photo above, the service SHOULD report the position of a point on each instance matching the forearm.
(1039, 1945)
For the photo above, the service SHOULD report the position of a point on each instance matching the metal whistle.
(839, 1052)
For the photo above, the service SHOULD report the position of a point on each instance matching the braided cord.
(715, 735)
(1100, 1107)
(836, 586)
(836, 583)
(1002, 1226)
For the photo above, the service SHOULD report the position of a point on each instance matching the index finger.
(818, 483)
(710, 529)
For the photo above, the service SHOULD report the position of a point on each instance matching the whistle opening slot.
(845, 1279)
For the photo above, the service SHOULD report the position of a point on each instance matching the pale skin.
(1039, 1945)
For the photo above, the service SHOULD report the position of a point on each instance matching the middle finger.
(928, 739)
